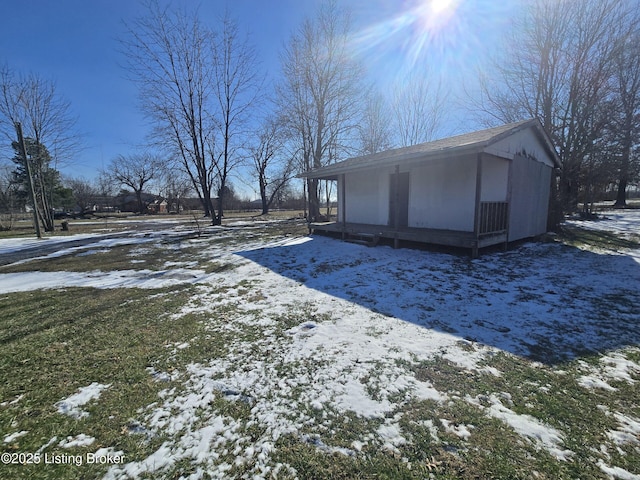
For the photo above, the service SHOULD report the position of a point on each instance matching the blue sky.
(76, 44)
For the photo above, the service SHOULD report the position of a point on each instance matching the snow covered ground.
(362, 318)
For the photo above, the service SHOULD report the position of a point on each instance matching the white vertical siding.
(367, 197)
(442, 194)
(495, 179)
(530, 184)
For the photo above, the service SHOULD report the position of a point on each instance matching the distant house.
(474, 190)
(128, 202)
(159, 205)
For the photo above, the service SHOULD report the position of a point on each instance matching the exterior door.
(399, 200)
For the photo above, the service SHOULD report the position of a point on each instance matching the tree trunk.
(46, 210)
(217, 218)
(139, 199)
(555, 216)
(568, 190)
(263, 197)
(207, 204)
(314, 202)
(621, 198)
(263, 189)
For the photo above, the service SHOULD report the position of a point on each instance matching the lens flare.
(451, 36)
(441, 6)
(419, 26)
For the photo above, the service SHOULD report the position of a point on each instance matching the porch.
(451, 238)
(491, 228)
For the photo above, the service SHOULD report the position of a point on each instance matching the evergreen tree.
(46, 180)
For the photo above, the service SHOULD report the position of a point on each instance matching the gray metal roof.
(468, 142)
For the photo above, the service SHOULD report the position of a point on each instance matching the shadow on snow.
(546, 302)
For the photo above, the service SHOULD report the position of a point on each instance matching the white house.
(474, 190)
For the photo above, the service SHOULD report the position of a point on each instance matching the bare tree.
(85, 194)
(48, 129)
(532, 72)
(175, 187)
(419, 108)
(272, 166)
(136, 172)
(106, 191)
(320, 93)
(10, 201)
(197, 88)
(237, 88)
(170, 57)
(38, 180)
(374, 131)
(625, 126)
(558, 67)
(45, 116)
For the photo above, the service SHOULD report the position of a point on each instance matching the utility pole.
(32, 193)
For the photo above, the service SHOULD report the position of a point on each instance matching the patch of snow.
(10, 245)
(491, 371)
(624, 222)
(461, 430)
(391, 436)
(14, 436)
(317, 442)
(47, 445)
(162, 376)
(591, 381)
(71, 405)
(629, 431)
(433, 429)
(612, 367)
(543, 436)
(29, 281)
(617, 472)
(333, 366)
(191, 264)
(93, 252)
(12, 402)
(80, 440)
(358, 445)
(618, 367)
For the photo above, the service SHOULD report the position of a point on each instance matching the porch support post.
(396, 208)
(342, 198)
(509, 193)
(476, 222)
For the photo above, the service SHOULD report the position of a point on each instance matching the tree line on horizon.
(572, 64)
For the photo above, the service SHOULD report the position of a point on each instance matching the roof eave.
(329, 173)
(332, 172)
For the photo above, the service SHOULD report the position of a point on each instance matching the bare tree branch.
(321, 93)
(558, 67)
(419, 108)
(136, 172)
(170, 58)
(32, 101)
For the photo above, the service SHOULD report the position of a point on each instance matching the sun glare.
(440, 6)
(449, 36)
(436, 13)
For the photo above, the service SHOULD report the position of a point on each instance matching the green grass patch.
(600, 239)
(156, 255)
(552, 396)
(53, 344)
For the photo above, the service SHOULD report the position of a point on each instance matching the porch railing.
(493, 217)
